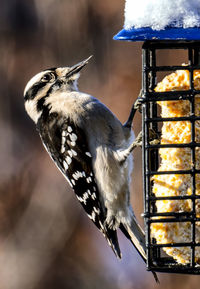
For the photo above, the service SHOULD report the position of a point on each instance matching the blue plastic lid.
(169, 33)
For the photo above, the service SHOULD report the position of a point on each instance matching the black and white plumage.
(67, 145)
(91, 148)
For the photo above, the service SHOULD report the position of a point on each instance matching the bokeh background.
(46, 240)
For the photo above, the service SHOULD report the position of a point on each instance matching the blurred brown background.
(46, 240)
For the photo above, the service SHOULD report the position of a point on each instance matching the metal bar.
(171, 220)
(192, 113)
(146, 88)
(163, 119)
(153, 153)
(196, 61)
(187, 197)
(188, 244)
(174, 145)
(167, 44)
(171, 68)
(170, 96)
(178, 172)
(179, 93)
(176, 269)
(152, 69)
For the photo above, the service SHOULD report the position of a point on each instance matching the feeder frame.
(151, 119)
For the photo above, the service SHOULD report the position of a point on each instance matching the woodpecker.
(91, 148)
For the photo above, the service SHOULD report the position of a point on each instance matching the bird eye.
(48, 77)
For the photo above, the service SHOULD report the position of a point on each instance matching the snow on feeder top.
(161, 19)
(171, 107)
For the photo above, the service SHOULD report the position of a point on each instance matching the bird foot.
(138, 103)
(153, 136)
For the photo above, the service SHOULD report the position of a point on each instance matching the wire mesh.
(157, 258)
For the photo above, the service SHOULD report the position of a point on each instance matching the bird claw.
(153, 136)
(138, 103)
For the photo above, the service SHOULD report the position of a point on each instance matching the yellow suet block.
(177, 132)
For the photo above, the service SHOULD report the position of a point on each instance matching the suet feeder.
(171, 169)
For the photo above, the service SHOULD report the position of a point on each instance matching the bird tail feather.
(137, 237)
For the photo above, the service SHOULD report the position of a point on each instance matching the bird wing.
(67, 145)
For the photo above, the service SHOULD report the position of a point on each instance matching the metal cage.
(157, 259)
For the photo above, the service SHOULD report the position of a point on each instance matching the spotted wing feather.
(67, 145)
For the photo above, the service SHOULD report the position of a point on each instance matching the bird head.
(49, 81)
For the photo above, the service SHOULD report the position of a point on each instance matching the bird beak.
(77, 67)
